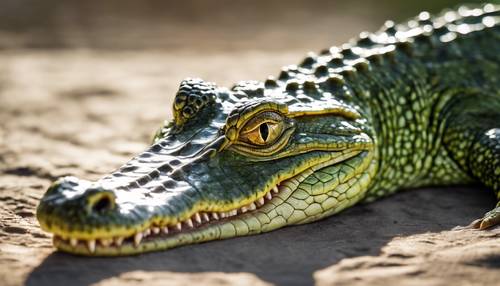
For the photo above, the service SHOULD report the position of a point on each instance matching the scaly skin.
(412, 105)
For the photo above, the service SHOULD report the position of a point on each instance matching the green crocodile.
(415, 104)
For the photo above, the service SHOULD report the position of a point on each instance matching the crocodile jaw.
(277, 208)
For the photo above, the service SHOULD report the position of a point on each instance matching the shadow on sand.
(291, 255)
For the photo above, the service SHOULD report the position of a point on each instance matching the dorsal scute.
(420, 37)
(250, 88)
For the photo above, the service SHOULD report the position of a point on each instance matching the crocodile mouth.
(158, 232)
(199, 227)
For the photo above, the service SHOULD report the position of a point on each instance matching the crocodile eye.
(266, 133)
(263, 130)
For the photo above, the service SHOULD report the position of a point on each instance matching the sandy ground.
(84, 112)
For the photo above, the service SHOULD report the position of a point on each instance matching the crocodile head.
(231, 163)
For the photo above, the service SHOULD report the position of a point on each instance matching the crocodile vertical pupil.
(264, 131)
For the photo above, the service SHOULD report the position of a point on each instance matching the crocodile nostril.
(102, 202)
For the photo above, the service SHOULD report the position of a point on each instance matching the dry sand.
(85, 112)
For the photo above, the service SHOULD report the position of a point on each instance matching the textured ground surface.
(83, 112)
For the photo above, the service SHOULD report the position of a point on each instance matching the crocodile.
(411, 105)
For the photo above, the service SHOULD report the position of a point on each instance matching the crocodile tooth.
(234, 212)
(269, 196)
(197, 217)
(147, 232)
(91, 245)
(189, 222)
(205, 217)
(137, 238)
(178, 226)
(73, 242)
(155, 230)
(119, 241)
(275, 189)
(260, 202)
(164, 229)
(243, 209)
(251, 206)
(215, 216)
(105, 242)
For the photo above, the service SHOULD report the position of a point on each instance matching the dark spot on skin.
(365, 41)
(170, 184)
(142, 181)
(348, 53)
(175, 162)
(187, 168)
(165, 168)
(270, 83)
(321, 70)
(307, 62)
(192, 98)
(336, 62)
(129, 168)
(283, 75)
(188, 111)
(146, 155)
(179, 102)
(156, 148)
(134, 185)
(154, 174)
(183, 93)
(157, 190)
(177, 175)
(292, 86)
